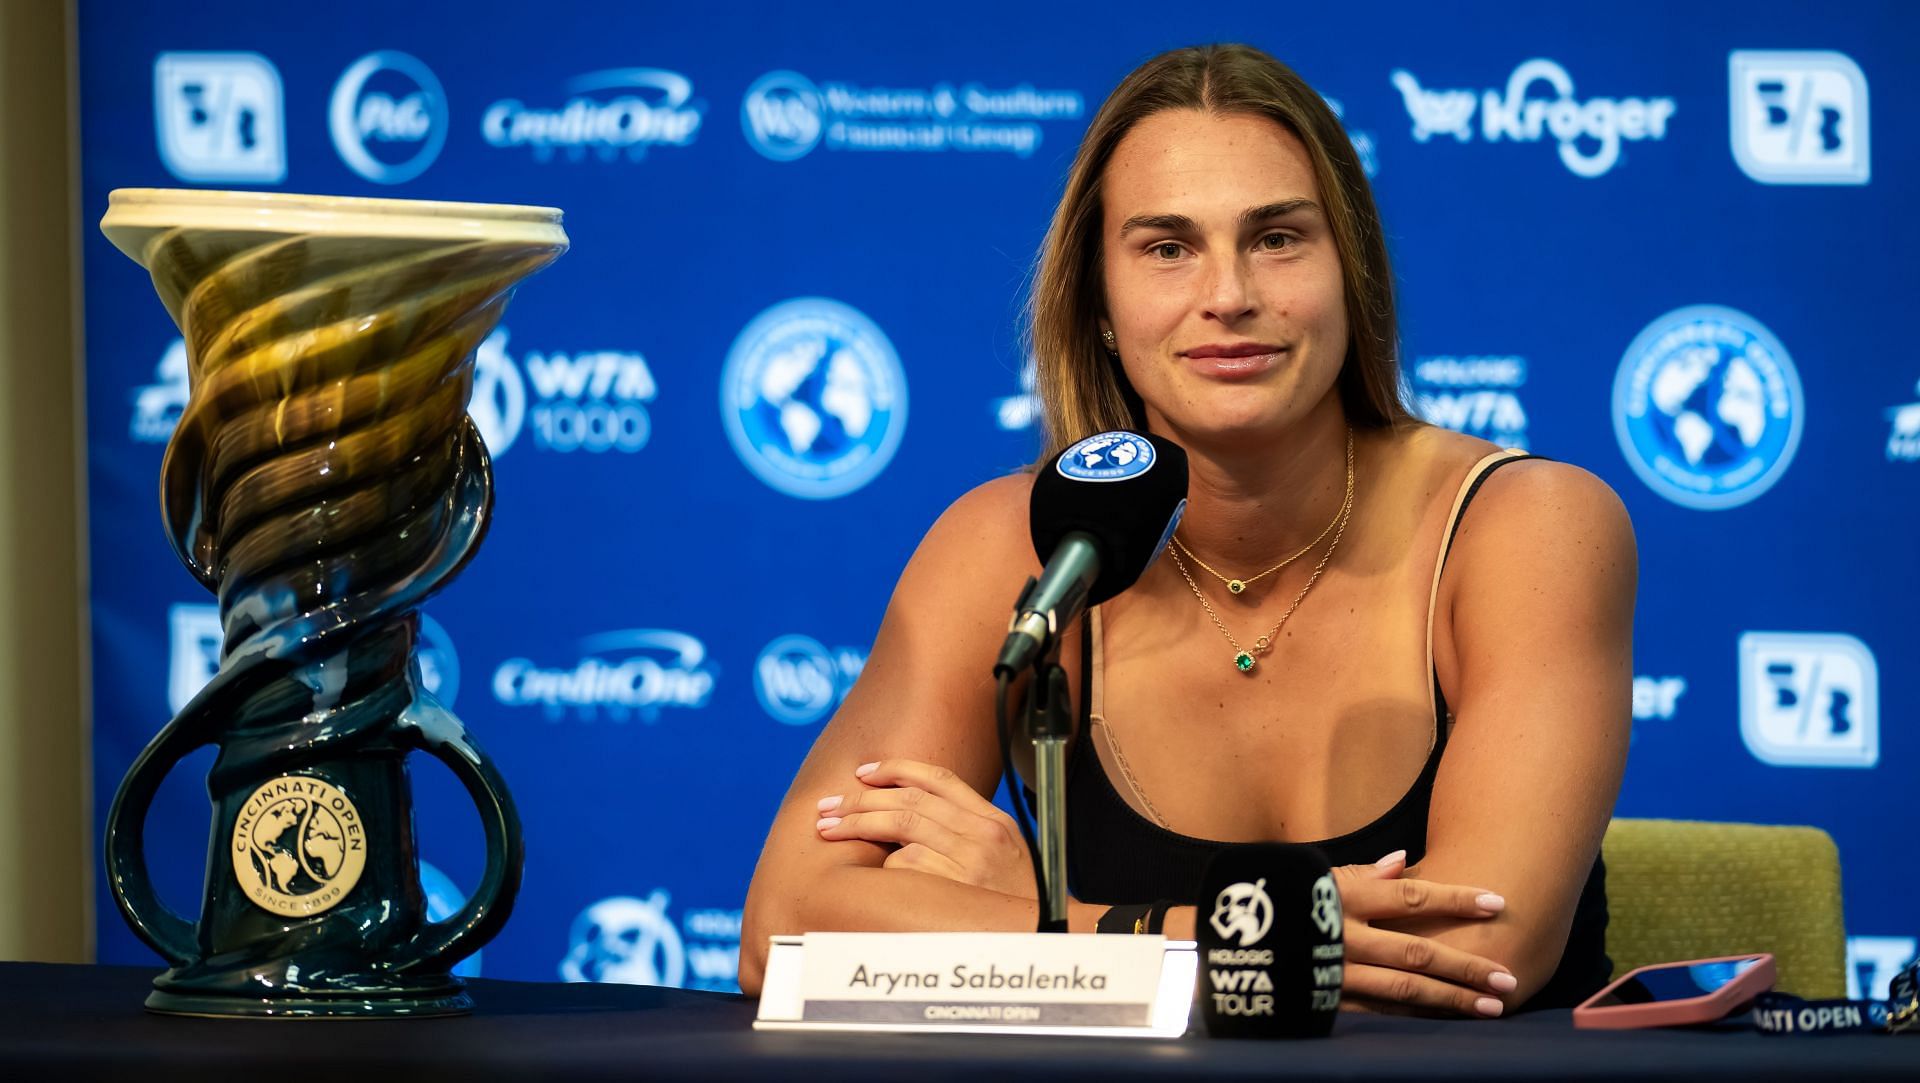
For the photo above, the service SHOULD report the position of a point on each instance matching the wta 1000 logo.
(633, 941)
(588, 400)
(1707, 407)
(813, 398)
(1590, 132)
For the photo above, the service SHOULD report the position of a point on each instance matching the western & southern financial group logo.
(785, 115)
(1799, 117)
(1707, 407)
(388, 117)
(220, 117)
(799, 681)
(1590, 132)
(1809, 699)
(608, 115)
(813, 398)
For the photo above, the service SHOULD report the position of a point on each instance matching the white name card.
(995, 983)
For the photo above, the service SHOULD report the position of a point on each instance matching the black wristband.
(1128, 918)
(1157, 915)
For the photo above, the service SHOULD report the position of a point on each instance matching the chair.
(1682, 889)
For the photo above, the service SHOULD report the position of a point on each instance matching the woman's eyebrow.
(1180, 223)
(1276, 210)
(1170, 223)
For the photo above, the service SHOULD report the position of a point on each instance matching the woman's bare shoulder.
(982, 533)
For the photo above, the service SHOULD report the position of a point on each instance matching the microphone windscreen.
(1272, 951)
(1124, 489)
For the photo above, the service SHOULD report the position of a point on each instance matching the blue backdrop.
(1666, 244)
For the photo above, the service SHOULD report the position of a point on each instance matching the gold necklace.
(1244, 659)
(1235, 586)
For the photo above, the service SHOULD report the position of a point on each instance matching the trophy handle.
(432, 729)
(152, 920)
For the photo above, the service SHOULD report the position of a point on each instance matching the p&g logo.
(388, 117)
(813, 398)
(1707, 407)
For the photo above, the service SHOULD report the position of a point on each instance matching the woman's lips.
(1233, 365)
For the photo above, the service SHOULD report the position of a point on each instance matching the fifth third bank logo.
(1809, 699)
(1799, 117)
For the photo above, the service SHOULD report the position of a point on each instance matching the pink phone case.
(1676, 1013)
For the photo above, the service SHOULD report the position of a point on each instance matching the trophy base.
(230, 1000)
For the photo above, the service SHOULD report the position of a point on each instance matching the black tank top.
(1115, 855)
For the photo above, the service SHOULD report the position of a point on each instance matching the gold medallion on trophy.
(298, 846)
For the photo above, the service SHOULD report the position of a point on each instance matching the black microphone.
(1100, 513)
(1272, 951)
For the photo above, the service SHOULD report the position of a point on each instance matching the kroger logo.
(813, 398)
(388, 117)
(620, 675)
(1657, 698)
(1475, 395)
(799, 682)
(220, 118)
(1589, 132)
(1707, 407)
(1799, 117)
(609, 115)
(1107, 456)
(194, 637)
(594, 400)
(157, 406)
(785, 115)
(1903, 436)
(1809, 699)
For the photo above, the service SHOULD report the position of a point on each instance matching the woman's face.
(1222, 278)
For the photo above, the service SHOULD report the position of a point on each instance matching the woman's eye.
(1167, 250)
(1275, 242)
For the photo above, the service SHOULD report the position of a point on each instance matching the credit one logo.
(1590, 132)
(220, 117)
(1809, 699)
(388, 117)
(1799, 117)
(194, 637)
(785, 115)
(621, 676)
(157, 406)
(798, 681)
(1475, 395)
(813, 398)
(608, 115)
(1903, 432)
(593, 400)
(1707, 407)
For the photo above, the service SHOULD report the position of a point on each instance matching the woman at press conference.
(1398, 643)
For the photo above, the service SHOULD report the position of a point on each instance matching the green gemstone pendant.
(1235, 586)
(1243, 661)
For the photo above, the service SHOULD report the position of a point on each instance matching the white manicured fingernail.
(865, 769)
(827, 823)
(1488, 1007)
(1395, 858)
(1503, 982)
(1490, 902)
(828, 804)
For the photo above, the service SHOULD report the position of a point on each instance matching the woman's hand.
(1391, 971)
(940, 824)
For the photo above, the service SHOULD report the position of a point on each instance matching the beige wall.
(46, 849)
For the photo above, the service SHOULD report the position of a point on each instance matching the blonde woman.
(1334, 650)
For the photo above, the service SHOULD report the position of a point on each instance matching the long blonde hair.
(1082, 389)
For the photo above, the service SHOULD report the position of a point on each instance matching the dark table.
(75, 1022)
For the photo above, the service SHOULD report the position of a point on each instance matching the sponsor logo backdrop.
(1662, 245)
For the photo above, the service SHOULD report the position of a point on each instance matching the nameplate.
(990, 983)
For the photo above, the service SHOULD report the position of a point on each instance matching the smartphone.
(1678, 994)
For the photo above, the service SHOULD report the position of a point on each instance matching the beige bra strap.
(1096, 696)
(1440, 563)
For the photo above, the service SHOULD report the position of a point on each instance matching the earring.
(1112, 346)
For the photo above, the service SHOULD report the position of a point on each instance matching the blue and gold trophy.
(323, 481)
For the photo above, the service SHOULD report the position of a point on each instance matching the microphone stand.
(1049, 722)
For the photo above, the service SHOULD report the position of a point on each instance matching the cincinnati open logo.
(1107, 456)
(298, 846)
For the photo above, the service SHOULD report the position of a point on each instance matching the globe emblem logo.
(388, 117)
(1707, 407)
(298, 846)
(1107, 456)
(1243, 910)
(813, 398)
(781, 115)
(626, 940)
